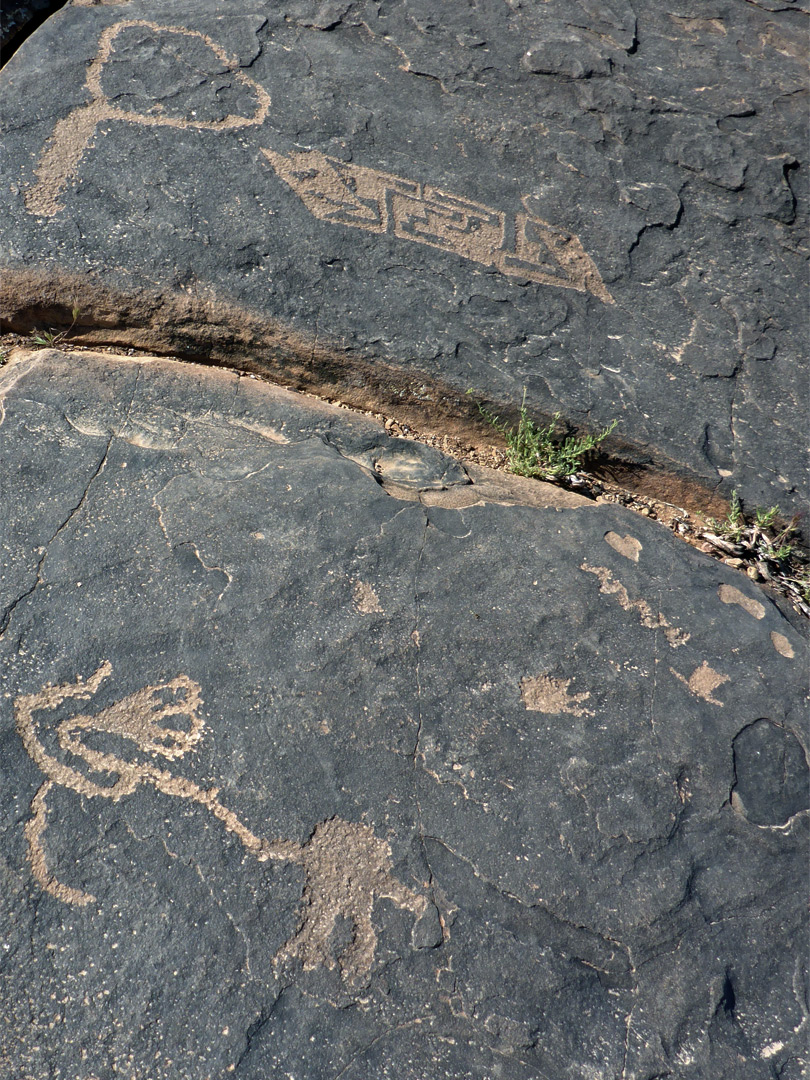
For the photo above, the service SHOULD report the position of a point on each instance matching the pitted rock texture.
(602, 203)
(302, 777)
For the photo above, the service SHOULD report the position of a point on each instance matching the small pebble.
(752, 572)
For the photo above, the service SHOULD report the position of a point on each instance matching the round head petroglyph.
(153, 75)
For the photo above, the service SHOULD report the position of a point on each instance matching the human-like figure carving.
(345, 865)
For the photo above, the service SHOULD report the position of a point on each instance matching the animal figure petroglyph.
(345, 865)
(518, 245)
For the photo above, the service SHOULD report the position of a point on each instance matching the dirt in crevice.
(206, 330)
(411, 405)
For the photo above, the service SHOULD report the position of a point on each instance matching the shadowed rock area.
(602, 203)
(323, 756)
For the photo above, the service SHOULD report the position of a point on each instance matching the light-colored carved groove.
(345, 865)
(649, 618)
(71, 136)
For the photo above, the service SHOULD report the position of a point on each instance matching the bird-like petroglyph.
(219, 97)
(345, 865)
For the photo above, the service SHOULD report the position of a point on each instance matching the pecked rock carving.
(703, 681)
(345, 865)
(544, 693)
(74, 133)
(651, 619)
(520, 245)
(380, 202)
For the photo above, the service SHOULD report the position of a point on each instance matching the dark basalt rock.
(317, 761)
(602, 203)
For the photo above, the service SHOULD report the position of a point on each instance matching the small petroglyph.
(653, 620)
(702, 682)
(771, 1049)
(345, 865)
(542, 693)
(782, 645)
(625, 545)
(366, 599)
(730, 595)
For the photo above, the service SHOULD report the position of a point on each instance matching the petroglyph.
(520, 245)
(625, 545)
(731, 595)
(542, 693)
(782, 645)
(703, 682)
(73, 134)
(345, 865)
(331, 892)
(526, 246)
(649, 618)
(366, 599)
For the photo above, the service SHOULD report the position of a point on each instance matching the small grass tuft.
(52, 338)
(534, 451)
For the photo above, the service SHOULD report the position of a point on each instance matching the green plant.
(733, 525)
(52, 338)
(764, 519)
(767, 546)
(533, 451)
(759, 533)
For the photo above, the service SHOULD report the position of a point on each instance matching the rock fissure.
(602, 214)
(10, 609)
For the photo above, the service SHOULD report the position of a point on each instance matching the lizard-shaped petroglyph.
(653, 620)
(518, 245)
(345, 865)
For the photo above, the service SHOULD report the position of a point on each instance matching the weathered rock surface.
(301, 777)
(602, 202)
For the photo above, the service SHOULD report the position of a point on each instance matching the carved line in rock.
(653, 620)
(345, 865)
(73, 134)
(521, 245)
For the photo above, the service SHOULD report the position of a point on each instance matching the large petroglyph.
(345, 865)
(524, 246)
